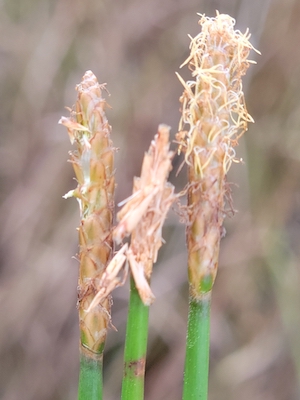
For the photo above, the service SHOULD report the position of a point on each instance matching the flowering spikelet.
(214, 111)
(144, 212)
(93, 165)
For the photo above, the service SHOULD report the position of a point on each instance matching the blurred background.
(136, 47)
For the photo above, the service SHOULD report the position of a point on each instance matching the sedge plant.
(214, 116)
(93, 163)
(143, 216)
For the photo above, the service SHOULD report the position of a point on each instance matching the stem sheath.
(90, 378)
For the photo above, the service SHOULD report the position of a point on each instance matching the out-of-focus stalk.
(215, 116)
(93, 163)
(143, 216)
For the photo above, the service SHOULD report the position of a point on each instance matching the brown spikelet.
(214, 116)
(93, 163)
(144, 212)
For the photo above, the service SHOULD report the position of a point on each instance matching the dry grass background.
(136, 46)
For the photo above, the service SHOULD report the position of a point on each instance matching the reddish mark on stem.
(137, 368)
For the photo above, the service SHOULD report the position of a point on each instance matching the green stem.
(90, 377)
(135, 347)
(195, 386)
